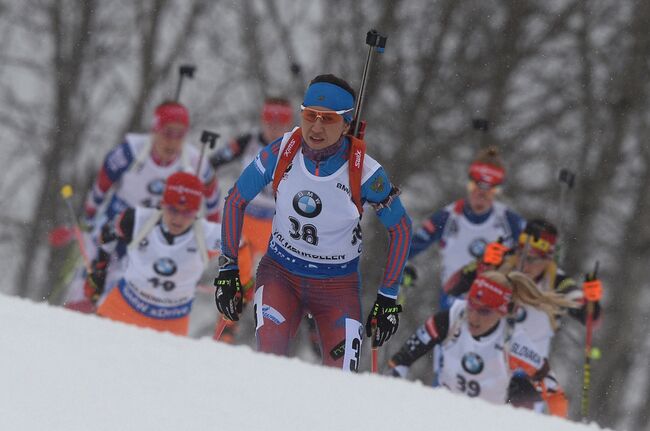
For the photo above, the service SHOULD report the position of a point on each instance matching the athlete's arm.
(516, 224)
(120, 229)
(432, 332)
(212, 194)
(232, 151)
(252, 181)
(429, 233)
(380, 193)
(461, 281)
(567, 287)
(116, 163)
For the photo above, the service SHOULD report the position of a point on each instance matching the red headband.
(488, 174)
(170, 113)
(491, 294)
(183, 191)
(277, 113)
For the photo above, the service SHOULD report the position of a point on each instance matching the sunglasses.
(326, 117)
(170, 133)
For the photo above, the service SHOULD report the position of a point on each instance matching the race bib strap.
(357, 154)
(286, 157)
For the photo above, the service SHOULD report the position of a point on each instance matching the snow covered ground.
(61, 370)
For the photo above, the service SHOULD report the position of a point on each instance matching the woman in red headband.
(464, 227)
(534, 254)
(484, 353)
(167, 252)
(134, 174)
(275, 120)
(321, 177)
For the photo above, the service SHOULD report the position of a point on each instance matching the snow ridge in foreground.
(61, 370)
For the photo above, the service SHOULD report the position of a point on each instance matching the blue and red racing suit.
(312, 262)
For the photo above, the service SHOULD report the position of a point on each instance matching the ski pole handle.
(183, 71)
(494, 253)
(376, 42)
(210, 138)
(592, 291)
(481, 124)
(567, 177)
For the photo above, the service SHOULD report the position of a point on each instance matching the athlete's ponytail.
(525, 292)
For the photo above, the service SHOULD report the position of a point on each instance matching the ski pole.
(207, 137)
(376, 42)
(375, 349)
(596, 287)
(66, 193)
(566, 177)
(218, 330)
(524, 254)
(183, 71)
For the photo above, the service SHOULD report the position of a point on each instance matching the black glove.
(96, 280)
(228, 295)
(384, 317)
(522, 392)
(409, 277)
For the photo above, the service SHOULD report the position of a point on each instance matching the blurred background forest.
(564, 84)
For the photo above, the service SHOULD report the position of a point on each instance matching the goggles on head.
(327, 117)
(543, 245)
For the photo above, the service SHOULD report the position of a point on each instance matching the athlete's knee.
(272, 325)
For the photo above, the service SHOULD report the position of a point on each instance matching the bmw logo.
(472, 363)
(520, 314)
(156, 187)
(307, 204)
(165, 266)
(477, 247)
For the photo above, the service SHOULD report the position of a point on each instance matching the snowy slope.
(61, 370)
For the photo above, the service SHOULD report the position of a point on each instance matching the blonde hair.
(525, 292)
(489, 156)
